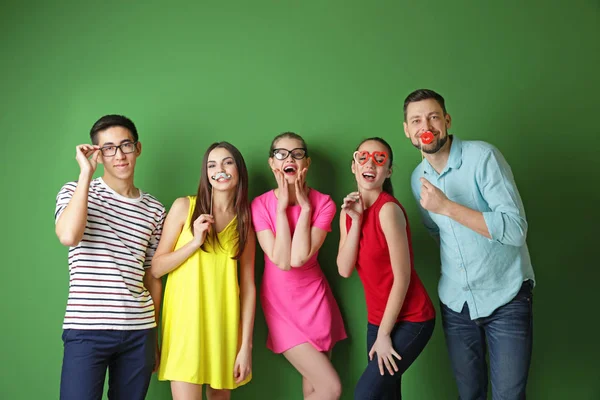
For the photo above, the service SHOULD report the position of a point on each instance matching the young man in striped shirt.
(112, 229)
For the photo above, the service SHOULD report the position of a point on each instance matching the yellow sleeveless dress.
(201, 313)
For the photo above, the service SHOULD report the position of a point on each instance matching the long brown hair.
(241, 203)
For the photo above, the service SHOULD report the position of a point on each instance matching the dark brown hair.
(424, 94)
(241, 203)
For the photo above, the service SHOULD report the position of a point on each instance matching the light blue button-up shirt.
(484, 273)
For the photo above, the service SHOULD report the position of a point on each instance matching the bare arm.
(277, 246)
(248, 290)
(71, 223)
(165, 259)
(349, 241)
(302, 248)
(301, 241)
(393, 224)
(282, 241)
(243, 362)
(155, 287)
(70, 226)
(348, 248)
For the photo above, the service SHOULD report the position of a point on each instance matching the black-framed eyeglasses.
(126, 148)
(297, 153)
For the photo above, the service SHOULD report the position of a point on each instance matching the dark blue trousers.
(128, 356)
(409, 340)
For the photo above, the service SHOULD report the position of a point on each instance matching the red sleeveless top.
(374, 268)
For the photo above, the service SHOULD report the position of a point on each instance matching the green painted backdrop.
(521, 75)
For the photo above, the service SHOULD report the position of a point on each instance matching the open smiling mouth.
(290, 169)
(369, 176)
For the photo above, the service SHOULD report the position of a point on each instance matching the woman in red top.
(375, 239)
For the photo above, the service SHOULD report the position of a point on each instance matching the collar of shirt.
(454, 160)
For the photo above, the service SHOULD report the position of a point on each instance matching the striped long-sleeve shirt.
(107, 267)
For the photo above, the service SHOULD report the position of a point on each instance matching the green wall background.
(521, 75)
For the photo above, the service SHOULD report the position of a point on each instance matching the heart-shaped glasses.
(362, 157)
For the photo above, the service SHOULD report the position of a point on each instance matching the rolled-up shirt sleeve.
(506, 220)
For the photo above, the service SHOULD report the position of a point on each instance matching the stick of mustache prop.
(214, 178)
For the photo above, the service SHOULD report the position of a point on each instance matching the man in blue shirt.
(470, 204)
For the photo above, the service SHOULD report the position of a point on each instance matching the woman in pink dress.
(291, 223)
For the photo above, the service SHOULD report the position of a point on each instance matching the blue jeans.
(508, 336)
(128, 355)
(408, 339)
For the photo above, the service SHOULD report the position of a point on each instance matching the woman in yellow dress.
(208, 318)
